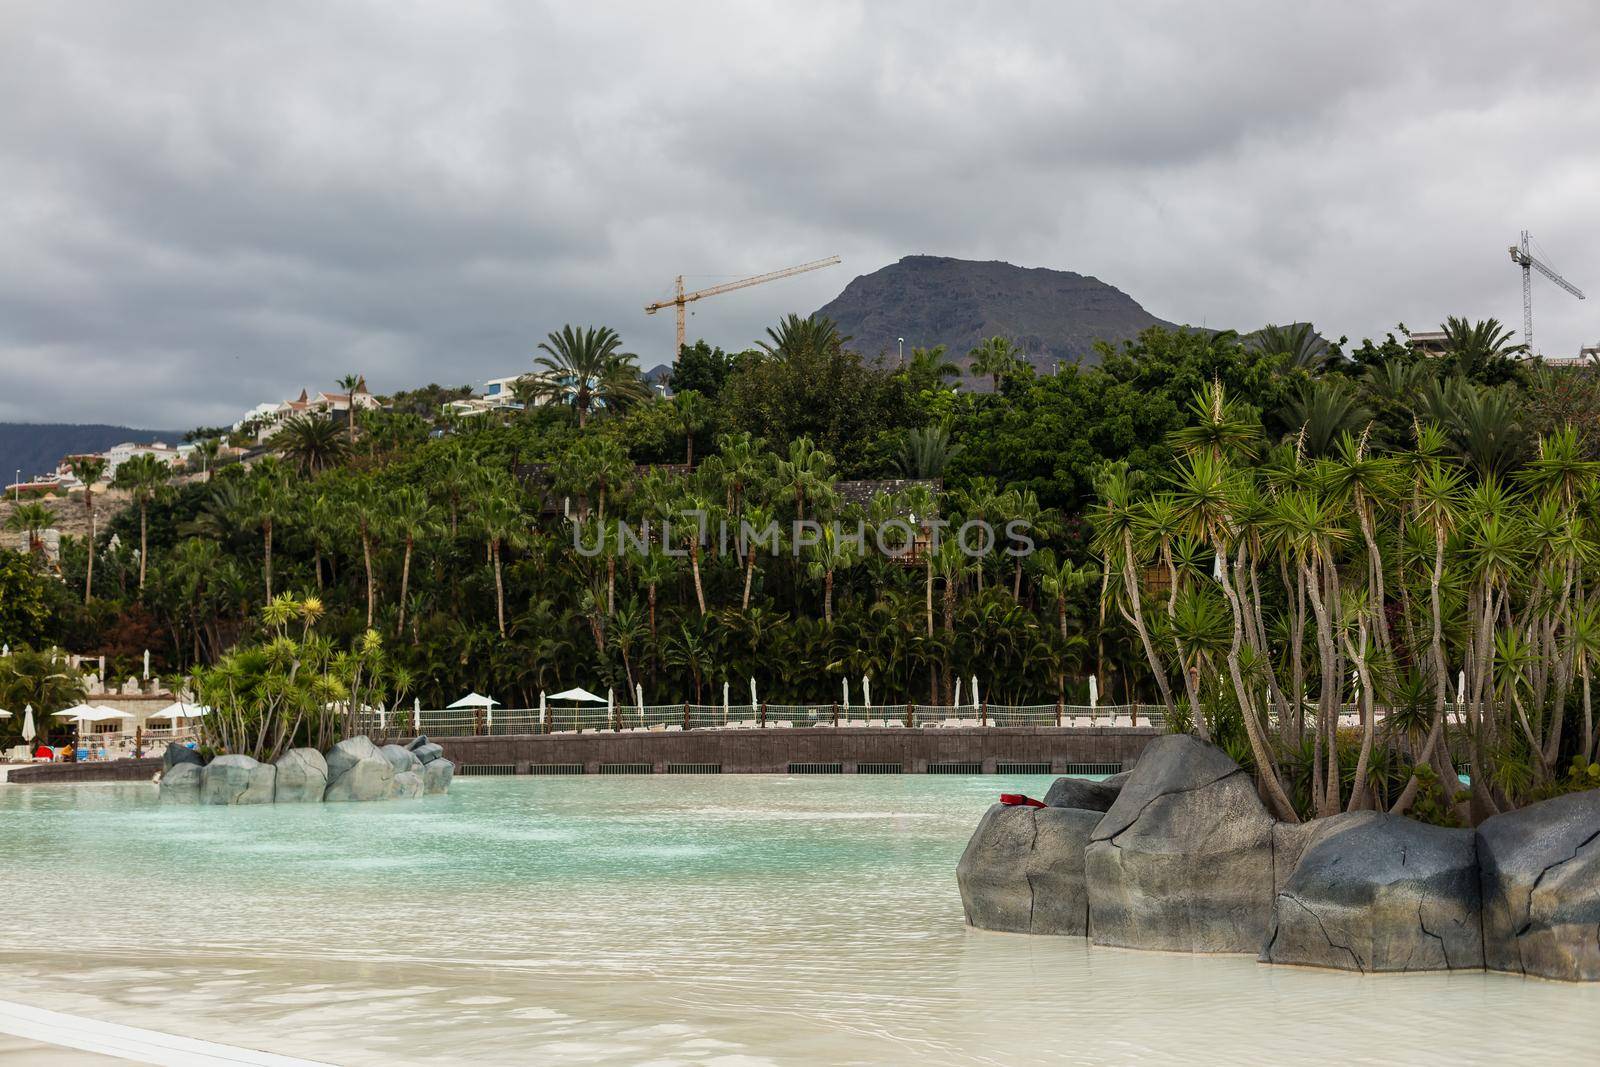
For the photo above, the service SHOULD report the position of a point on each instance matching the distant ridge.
(1052, 314)
(36, 448)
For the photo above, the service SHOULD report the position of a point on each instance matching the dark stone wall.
(119, 770)
(771, 751)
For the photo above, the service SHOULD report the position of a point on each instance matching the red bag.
(1016, 800)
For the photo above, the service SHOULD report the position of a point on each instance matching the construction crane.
(681, 299)
(1522, 257)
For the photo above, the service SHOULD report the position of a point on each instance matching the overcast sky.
(207, 205)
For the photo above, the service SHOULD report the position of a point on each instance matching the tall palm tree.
(350, 383)
(500, 522)
(691, 412)
(31, 519)
(143, 476)
(88, 470)
(829, 556)
(588, 369)
(807, 473)
(996, 357)
(207, 452)
(364, 511)
(411, 515)
(311, 443)
(266, 504)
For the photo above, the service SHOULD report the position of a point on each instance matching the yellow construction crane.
(681, 299)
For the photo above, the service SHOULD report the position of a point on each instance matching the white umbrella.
(866, 691)
(975, 691)
(958, 692)
(28, 732)
(638, 700)
(1094, 691)
(847, 694)
(611, 705)
(752, 694)
(477, 700)
(4, 714)
(544, 714)
(180, 710)
(724, 702)
(576, 694)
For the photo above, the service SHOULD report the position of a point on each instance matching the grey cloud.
(211, 205)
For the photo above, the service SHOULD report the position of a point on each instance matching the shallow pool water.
(655, 919)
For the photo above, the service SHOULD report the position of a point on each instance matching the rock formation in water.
(1180, 854)
(353, 770)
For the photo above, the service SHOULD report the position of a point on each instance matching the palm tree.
(500, 521)
(207, 452)
(350, 383)
(807, 473)
(31, 518)
(795, 337)
(365, 514)
(588, 369)
(997, 357)
(267, 502)
(926, 451)
(311, 443)
(143, 476)
(411, 515)
(1482, 347)
(1321, 412)
(930, 368)
(1306, 350)
(88, 470)
(691, 412)
(831, 555)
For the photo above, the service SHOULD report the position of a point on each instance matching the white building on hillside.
(497, 394)
(265, 418)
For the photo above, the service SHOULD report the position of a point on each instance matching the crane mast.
(1524, 258)
(681, 300)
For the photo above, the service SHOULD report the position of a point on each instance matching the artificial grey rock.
(400, 758)
(1182, 860)
(371, 778)
(1539, 869)
(348, 753)
(417, 742)
(302, 777)
(1377, 892)
(429, 752)
(436, 776)
(178, 754)
(181, 784)
(1085, 793)
(1022, 871)
(237, 780)
(407, 785)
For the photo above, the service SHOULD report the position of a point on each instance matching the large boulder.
(177, 754)
(428, 752)
(1085, 793)
(1540, 875)
(407, 785)
(417, 742)
(237, 780)
(181, 784)
(367, 779)
(1182, 861)
(1022, 870)
(348, 753)
(1379, 892)
(402, 759)
(436, 776)
(302, 777)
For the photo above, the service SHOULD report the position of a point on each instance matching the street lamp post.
(902, 342)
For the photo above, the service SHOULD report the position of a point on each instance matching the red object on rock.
(1014, 800)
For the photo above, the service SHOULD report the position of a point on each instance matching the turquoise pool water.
(726, 920)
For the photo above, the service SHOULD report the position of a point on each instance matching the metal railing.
(675, 717)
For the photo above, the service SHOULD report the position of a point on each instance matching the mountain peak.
(928, 300)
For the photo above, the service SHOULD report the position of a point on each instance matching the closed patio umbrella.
(28, 731)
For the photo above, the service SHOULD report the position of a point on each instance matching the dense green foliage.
(450, 537)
